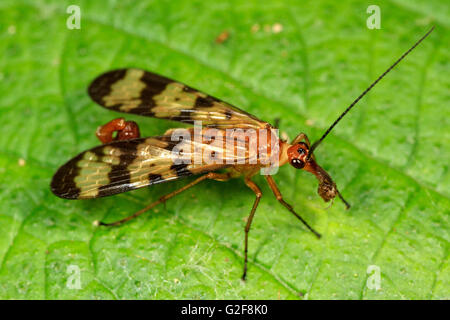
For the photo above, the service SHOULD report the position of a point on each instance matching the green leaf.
(389, 156)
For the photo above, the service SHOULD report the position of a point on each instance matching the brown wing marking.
(127, 165)
(148, 94)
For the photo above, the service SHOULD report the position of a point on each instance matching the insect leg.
(276, 122)
(258, 194)
(125, 130)
(163, 199)
(301, 137)
(279, 197)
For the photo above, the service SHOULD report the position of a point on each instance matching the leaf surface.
(300, 62)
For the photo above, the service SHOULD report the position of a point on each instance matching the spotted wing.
(148, 94)
(131, 164)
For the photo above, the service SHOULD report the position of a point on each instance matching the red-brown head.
(299, 158)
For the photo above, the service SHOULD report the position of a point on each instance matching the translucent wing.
(148, 94)
(130, 164)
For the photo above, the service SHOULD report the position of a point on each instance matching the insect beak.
(327, 189)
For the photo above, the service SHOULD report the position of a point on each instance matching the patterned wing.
(130, 164)
(148, 94)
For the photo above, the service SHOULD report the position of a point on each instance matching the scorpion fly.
(125, 161)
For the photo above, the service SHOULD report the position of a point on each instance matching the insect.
(125, 161)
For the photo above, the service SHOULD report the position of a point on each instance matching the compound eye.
(297, 163)
(301, 151)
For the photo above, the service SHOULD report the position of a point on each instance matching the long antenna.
(315, 144)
